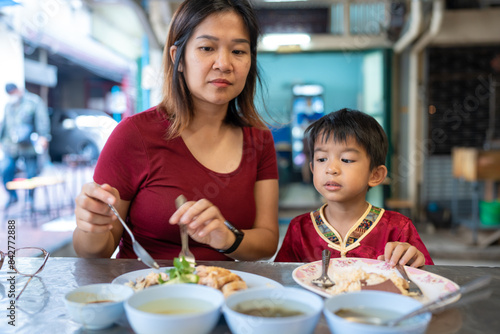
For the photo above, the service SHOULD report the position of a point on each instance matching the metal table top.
(41, 309)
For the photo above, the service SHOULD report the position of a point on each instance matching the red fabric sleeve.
(408, 233)
(302, 243)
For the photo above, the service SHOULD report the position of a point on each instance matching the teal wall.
(340, 73)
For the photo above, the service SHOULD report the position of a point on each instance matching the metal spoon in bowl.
(324, 281)
(142, 254)
(468, 292)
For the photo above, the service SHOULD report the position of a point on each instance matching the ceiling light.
(307, 90)
(276, 40)
(284, 0)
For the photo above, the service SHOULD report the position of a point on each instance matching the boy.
(348, 150)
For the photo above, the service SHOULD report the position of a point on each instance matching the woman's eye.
(239, 52)
(206, 48)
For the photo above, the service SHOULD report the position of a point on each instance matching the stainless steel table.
(41, 308)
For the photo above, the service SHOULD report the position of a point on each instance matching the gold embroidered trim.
(369, 220)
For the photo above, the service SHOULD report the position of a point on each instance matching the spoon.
(185, 252)
(142, 254)
(324, 281)
(433, 306)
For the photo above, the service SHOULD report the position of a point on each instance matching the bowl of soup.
(273, 310)
(345, 313)
(97, 306)
(176, 308)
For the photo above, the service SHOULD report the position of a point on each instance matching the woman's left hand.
(205, 223)
(402, 253)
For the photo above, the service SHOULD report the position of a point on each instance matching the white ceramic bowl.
(391, 302)
(85, 304)
(208, 302)
(290, 298)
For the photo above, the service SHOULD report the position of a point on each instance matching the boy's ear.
(378, 176)
(311, 167)
(173, 52)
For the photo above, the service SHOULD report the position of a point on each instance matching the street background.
(52, 229)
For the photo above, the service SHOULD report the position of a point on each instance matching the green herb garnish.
(182, 272)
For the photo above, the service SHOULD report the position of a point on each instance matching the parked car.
(79, 131)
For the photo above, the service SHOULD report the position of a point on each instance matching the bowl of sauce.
(180, 308)
(97, 306)
(273, 310)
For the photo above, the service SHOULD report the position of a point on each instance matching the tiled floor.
(49, 232)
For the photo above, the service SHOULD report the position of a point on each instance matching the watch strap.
(239, 237)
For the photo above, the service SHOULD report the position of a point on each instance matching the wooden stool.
(32, 184)
(402, 206)
(475, 165)
(77, 164)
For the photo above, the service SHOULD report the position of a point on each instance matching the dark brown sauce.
(268, 312)
(100, 301)
(368, 312)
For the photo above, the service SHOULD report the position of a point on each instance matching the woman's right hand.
(92, 211)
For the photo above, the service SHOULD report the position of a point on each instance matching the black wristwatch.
(239, 236)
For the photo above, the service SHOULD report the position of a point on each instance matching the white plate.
(433, 286)
(251, 280)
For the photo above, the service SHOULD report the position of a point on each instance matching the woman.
(205, 140)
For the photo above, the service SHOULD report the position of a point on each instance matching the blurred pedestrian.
(26, 125)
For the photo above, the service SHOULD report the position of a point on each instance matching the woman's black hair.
(177, 102)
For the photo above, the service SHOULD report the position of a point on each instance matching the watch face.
(232, 228)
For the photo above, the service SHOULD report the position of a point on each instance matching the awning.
(84, 52)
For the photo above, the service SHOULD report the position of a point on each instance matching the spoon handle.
(326, 260)
(465, 289)
(437, 304)
(121, 221)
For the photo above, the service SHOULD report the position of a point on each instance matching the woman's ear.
(173, 53)
(377, 176)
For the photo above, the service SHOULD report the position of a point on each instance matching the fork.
(185, 252)
(142, 254)
(413, 287)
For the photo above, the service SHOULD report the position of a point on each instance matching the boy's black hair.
(347, 123)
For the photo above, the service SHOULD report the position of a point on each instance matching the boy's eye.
(321, 159)
(347, 161)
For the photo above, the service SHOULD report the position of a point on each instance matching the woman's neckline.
(236, 170)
